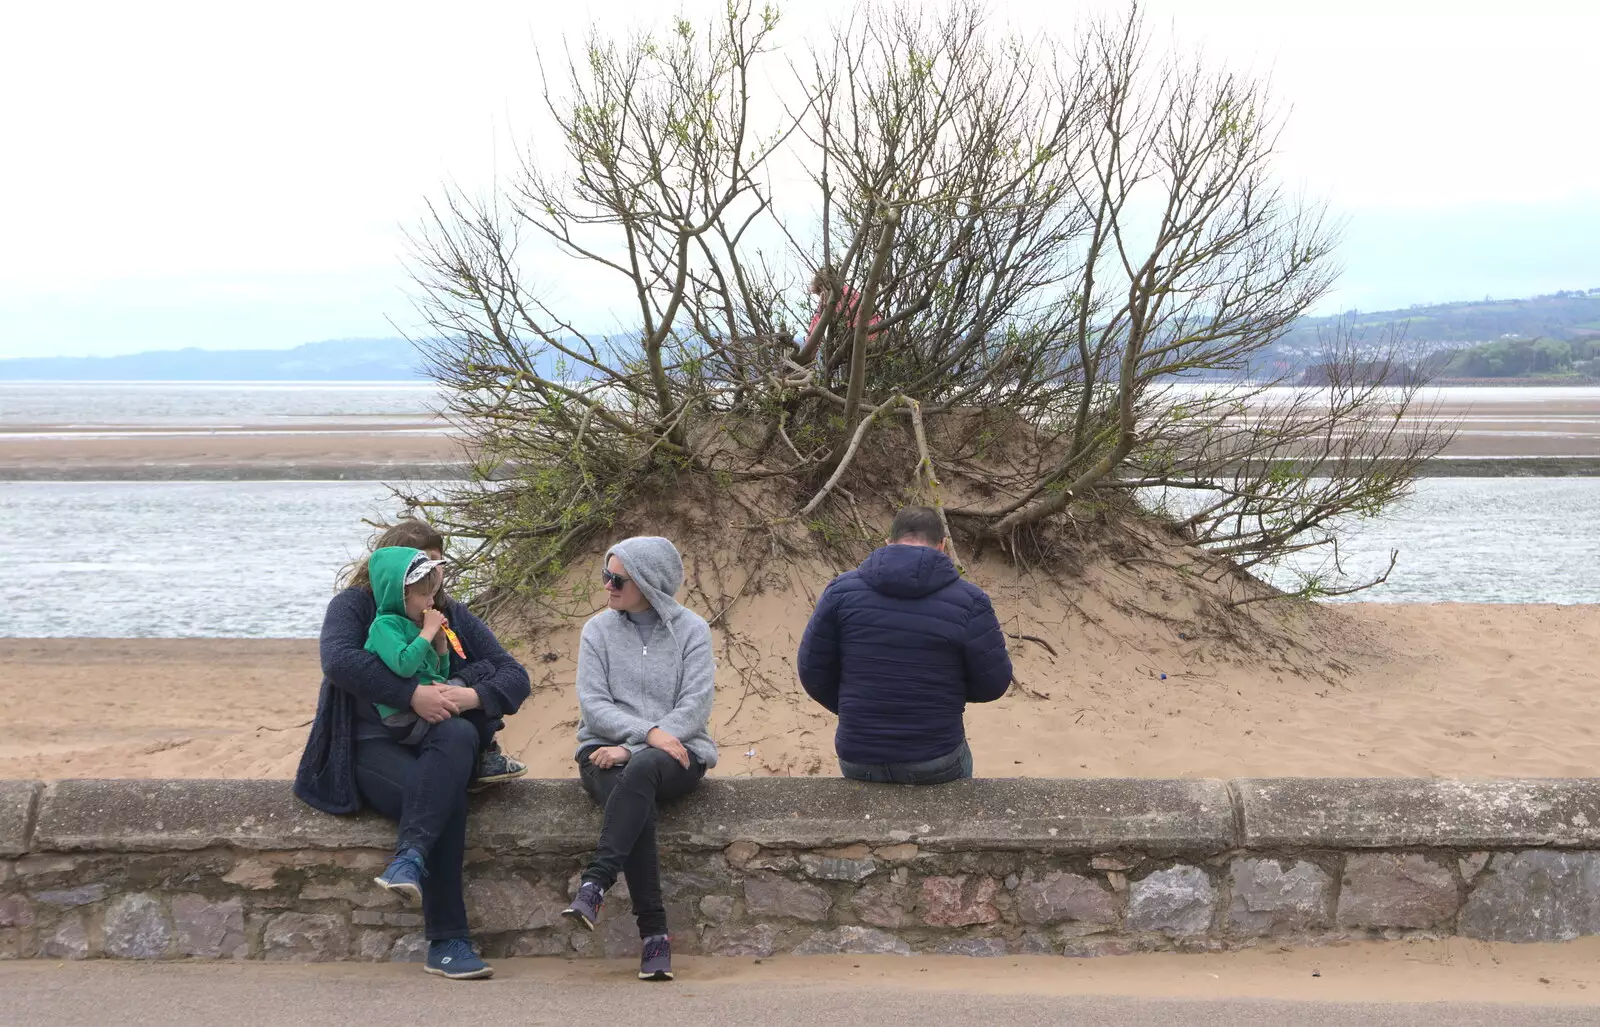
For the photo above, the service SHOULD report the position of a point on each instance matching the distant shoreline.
(1442, 467)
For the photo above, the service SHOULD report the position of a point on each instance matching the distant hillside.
(1571, 317)
(1565, 317)
(334, 360)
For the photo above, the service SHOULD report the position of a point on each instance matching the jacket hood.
(656, 567)
(386, 568)
(908, 572)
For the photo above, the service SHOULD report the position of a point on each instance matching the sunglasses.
(613, 581)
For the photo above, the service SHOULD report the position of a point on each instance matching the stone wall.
(240, 870)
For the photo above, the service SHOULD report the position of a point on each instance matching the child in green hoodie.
(408, 633)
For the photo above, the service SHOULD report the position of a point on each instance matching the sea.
(261, 558)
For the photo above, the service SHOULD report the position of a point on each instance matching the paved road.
(98, 994)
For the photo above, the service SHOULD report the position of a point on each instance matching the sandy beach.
(1417, 690)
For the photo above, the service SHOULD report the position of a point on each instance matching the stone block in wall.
(372, 946)
(1267, 899)
(16, 911)
(69, 940)
(305, 938)
(678, 883)
(209, 930)
(976, 947)
(1384, 889)
(716, 908)
(741, 852)
(852, 940)
(540, 943)
(512, 904)
(135, 927)
(1033, 943)
(1095, 947)
(253, 874)
(68, 898)
(883, 905)
(360, 892)
(779, 896)
(411, 948)
(1062, 896)
(827, 869)
(1541, 895)
(1178, 900)
(617, 937)
(958, 901)
(759, 940)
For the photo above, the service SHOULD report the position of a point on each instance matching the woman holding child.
(414, 688)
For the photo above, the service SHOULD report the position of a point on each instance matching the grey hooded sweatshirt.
(627, 685)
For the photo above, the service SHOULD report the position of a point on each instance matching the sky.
(243, 175)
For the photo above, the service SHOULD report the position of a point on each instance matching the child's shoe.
(494, 767)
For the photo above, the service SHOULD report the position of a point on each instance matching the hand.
(669, 745)
(432, 704)
(610, 756)
(441, 645)
(432, 621)
(464, 698)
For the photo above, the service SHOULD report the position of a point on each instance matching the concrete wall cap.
(18, 800)
(1380, 813)
(556, 816)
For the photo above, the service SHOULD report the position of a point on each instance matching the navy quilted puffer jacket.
(897, 648)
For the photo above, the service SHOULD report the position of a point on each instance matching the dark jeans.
(424, 787)
(629, 794)
(952, 766)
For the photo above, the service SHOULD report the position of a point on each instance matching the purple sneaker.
(586, 904)
(656, 962)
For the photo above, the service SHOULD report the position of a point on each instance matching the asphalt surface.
(108, 993)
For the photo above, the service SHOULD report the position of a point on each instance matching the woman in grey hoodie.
(644, 697)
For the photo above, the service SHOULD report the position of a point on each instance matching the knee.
(648, 763)
(454, 734)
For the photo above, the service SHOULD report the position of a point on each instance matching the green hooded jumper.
(394, 637)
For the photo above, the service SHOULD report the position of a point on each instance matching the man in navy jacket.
(897, 648)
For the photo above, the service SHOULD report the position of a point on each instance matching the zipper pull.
(646, 650)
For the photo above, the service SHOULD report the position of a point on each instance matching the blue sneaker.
(404, 876)
(454, 958)
(586, 904)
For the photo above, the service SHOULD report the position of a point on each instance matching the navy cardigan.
(326, 777)
(897, 648)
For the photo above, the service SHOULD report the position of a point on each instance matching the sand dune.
(1379, 689)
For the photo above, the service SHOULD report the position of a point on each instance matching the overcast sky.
(240, 174)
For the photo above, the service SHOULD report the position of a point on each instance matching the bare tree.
(1017, 260)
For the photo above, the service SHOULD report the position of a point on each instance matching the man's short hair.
(920, 523)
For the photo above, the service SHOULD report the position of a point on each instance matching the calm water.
(208, 403)
(179, 560)
(1479, 540)
(258, 559)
